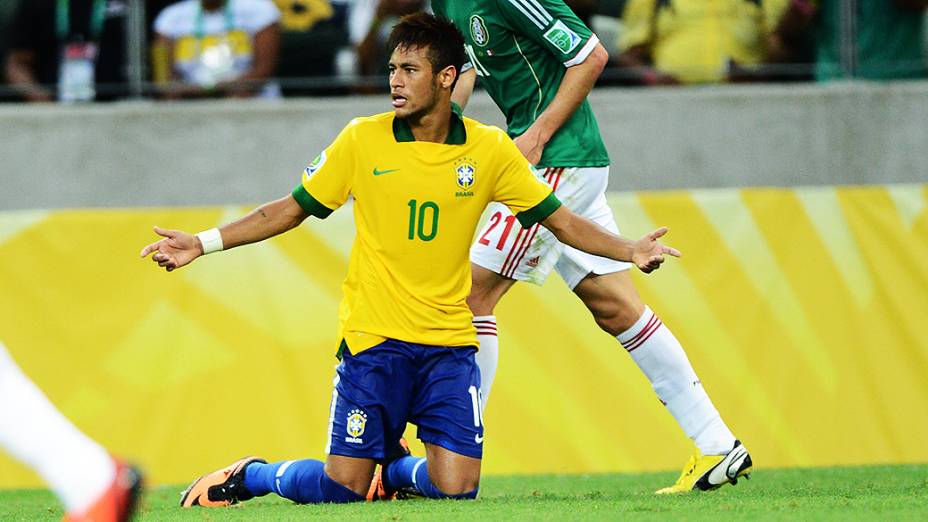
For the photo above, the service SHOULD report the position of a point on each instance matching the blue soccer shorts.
(382, 388)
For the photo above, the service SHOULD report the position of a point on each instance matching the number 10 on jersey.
(418, 215)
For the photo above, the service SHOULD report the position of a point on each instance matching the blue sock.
(411, 472)
(302, 481)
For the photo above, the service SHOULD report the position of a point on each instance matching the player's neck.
(434, 125)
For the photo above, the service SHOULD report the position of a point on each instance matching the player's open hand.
(649, 253)
(175, 250)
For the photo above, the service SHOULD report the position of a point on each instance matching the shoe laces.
(688, 469)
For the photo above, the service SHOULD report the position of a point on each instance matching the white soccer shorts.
(529, 254)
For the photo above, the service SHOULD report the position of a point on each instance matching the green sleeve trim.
(539, 212)
(310, 204)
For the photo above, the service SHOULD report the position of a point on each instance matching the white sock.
(33, 431)
(659, 355)
(488, 355)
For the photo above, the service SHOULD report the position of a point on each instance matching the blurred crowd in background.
(82, 50)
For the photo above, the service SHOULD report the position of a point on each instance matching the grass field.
(863, 493)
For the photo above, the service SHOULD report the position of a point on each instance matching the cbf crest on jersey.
(478, 31)
(355, 424)
(465, 169)
(315, 165)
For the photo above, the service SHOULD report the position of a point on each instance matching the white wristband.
(211, 240)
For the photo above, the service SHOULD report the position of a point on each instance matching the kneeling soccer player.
(420, 177)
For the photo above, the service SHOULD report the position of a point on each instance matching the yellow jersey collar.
(457, 135)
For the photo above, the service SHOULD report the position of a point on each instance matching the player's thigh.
(370, 401)
(452, 473)
(487, 288)
(574, 265)
(446, 401)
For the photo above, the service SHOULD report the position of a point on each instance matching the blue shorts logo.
(357, 420)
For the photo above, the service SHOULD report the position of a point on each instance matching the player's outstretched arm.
(179, 249)
(647, 253)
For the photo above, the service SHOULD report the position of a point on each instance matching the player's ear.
(447, 76)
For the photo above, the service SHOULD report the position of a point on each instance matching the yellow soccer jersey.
(416, 205)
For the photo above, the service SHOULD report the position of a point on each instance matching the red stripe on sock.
(633, 346)
(643, 330)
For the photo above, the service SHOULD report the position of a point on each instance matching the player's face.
(414, 86)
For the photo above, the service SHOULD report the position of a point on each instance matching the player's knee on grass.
(352, 473)
(457, 486)
(451, 474)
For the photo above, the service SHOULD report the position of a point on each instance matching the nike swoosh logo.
(478, 439)
(381, 172)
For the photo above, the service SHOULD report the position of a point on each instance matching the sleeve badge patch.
(562, 37)
(315, 165)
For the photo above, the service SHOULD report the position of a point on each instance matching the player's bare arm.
(571, 229)
(576, 85)
(179, 248)
(464, 88)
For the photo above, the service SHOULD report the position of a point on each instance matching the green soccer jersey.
(885, 41)
(521, 50)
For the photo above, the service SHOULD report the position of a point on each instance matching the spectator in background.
(884, 42)
(668, 42)
(314, 36)
(217, 47)
(370, 25)
(69, 50)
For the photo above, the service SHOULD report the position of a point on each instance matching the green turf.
(864, 493)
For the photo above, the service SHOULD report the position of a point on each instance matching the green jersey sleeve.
(551, 24)
(326, 182)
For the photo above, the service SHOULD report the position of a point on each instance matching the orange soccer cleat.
(377, 490)
(220, 488)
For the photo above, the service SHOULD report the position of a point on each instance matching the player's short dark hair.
(443, 40)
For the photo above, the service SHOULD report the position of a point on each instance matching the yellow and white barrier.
(804, 312)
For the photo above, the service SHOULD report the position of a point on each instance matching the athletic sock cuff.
(634, 335)
(486, 325)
